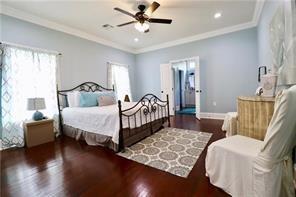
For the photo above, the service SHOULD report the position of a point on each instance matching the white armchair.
(230, 124)
(246, 167)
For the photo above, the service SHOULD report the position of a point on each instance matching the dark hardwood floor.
(70, 168)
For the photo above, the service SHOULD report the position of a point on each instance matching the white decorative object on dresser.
(268, 84)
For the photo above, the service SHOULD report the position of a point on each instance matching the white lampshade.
(142, 27)
(35, 103)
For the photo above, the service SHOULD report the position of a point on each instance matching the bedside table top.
(33, 122)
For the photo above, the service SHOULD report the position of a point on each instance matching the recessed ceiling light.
(136, 39)
(217, 15)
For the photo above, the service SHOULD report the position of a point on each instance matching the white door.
(197, 88)
(166, 81)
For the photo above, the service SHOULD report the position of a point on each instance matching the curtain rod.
(119, 64)
(32, 48)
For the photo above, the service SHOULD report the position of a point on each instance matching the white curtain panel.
(118, 75)
(26, 73)
(283, 43)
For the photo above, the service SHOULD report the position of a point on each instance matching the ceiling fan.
(142, 18)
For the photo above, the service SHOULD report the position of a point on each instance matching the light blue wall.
(228, 63)
(228, 68)
(82, 60)
(264, 50)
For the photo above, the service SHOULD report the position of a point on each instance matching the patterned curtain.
(26, 73)
(283, 46)
(1, 125)
(283, 43)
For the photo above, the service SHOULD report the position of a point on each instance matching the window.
(26, 73)
(118, 76)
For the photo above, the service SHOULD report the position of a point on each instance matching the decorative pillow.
(73, 99)
(88, 99)
(106, 93)
(105, 100)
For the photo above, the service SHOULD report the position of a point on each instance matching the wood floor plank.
(68, 167)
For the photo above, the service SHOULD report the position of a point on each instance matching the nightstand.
(38, 132)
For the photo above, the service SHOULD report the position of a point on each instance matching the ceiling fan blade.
(124, 12)
(128, 23)
(152, 8)
(160, 20)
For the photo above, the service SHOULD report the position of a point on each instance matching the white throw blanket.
(105, 120)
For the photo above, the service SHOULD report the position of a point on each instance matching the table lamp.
(36, 104)
(126, 98)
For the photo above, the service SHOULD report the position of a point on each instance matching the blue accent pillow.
(88, 99)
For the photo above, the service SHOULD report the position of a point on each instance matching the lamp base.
(37, 115)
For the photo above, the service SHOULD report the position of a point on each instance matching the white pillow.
(73, 99)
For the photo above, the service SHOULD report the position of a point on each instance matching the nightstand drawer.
(38, 132)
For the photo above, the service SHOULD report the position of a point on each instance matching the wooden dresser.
(254, 115)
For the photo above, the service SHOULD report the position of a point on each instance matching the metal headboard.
(84, 87)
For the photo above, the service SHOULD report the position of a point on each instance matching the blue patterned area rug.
(171, 150)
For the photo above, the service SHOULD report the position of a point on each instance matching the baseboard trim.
(207, 115)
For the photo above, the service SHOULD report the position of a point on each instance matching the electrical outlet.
(214, 103)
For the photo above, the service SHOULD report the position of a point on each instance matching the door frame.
(167, 88)
(184, 59)
(197, 60)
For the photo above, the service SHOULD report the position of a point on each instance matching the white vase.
(268, 84)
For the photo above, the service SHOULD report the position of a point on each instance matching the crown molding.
(6, 10)
(256, 16)
(9, 11)
(198, 37)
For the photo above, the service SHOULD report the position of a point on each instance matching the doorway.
(180, 80)
(184, 87)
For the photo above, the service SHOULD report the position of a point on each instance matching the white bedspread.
(104, 120)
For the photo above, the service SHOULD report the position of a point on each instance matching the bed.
(113, 126)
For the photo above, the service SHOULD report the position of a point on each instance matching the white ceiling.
(190, 18)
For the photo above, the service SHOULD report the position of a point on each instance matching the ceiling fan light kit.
(142, 27)
(142, 18)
